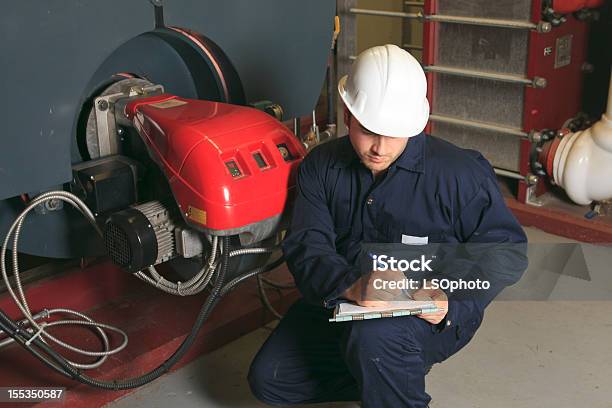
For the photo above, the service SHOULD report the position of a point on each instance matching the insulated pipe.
(581, 162)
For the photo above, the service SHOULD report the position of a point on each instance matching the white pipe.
(510, 174)
(583, 161)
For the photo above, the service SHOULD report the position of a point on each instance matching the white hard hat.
(386, 92)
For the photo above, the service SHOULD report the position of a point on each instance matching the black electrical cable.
(65, 368)
(9, 327)
(277, 285)
(116, 385)
(264, 299)
(236, 281)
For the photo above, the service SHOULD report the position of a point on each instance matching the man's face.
(376, 152)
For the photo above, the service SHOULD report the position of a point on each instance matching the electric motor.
(141, 236)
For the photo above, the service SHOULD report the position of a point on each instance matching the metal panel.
(507, 9)
(495, 102)
(502, 150)
(550, 107)
(482, 48)
(51, 50)
(57, 234)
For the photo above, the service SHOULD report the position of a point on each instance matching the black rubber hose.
(277, 285)
(265, 300)
(263, 269)
(75, 373)
(63, 367)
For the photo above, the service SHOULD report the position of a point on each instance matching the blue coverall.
(434, 189)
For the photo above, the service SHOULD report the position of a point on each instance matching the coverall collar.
(411, 159)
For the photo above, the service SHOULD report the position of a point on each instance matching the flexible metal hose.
(192, 287)
(251, 251)
(199, 282)
(55, 361)
(164, 367)
(15, 332)
(20, 298)
(33, 342)
(48, 313)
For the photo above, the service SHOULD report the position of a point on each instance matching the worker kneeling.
(387, 182)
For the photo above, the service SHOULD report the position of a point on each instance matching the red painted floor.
(155, 322)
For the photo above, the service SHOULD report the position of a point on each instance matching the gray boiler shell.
(52, 51)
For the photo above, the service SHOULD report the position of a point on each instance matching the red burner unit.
(230, 167)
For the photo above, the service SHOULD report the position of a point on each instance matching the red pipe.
(549, 150)
(569, 6)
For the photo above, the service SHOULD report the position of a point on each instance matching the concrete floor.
(526, 354)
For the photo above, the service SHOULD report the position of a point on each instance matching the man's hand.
(364, 293)
(440, 299)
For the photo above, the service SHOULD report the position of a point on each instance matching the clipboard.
(346, 312)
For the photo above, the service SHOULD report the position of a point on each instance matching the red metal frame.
(561, 99)
(546, 108)
(430, 45)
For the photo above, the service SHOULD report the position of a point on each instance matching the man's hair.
(349, 116)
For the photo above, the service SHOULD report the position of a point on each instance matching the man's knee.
(382, 333)
(262, 381)
(279, 382)
(385, 334)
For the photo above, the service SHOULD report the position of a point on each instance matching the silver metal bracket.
(49, 206)
(532, 199)
(109, 110)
